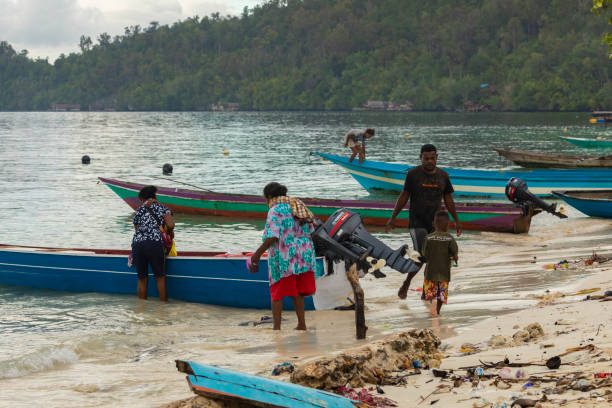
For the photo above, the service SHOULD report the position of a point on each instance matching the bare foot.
(299, 328)
(402, 293)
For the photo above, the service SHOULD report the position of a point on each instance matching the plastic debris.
(553, 363)
(285, 367)
(366, 397)
(603, 375)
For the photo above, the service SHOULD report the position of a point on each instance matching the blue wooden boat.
(592, 203)
(374, 175)
(251, 390)
(590, 143)
(205, 277)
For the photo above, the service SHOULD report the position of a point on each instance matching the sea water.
(93, 350)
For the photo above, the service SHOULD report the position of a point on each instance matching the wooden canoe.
(592, 203)
(483, 216)
(251, 390)
(591, 143)
(377, 175)
(559, 161)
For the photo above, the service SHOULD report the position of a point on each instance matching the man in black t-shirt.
(426, 186)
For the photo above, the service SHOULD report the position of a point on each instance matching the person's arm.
(454, 249)
(169, 220)
(268, 242)
(399, 204)
(450, 206)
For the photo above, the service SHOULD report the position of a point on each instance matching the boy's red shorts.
(294, 285)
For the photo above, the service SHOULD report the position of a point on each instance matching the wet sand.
(495, 290)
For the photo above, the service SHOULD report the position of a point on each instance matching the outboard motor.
(517, 192)
(343, 237)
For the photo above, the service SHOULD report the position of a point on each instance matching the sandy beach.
(557, 321)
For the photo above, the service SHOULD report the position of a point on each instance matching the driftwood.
(353, 278)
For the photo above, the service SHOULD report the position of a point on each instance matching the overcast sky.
(47, 28)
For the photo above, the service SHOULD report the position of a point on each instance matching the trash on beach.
(371, 363)
(285, 367)
(553, 363)
(603, 375)
(524, 402)
(440, 373)
(584, 292)
(564, 322)
(366, 397)
(561, 264)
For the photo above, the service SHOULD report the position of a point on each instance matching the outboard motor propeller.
(517, 192)
(343, 237)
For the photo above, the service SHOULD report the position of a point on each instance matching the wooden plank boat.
(598, 143)
(251, 390)
(544, 160)
(204, 277)
(374, 175)
(592, 203)
(499, 217)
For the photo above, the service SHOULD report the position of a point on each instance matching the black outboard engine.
(517, 192)
(343, 237)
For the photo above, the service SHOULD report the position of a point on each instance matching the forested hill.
(519, 55)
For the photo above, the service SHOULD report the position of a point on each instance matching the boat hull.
(496, 217)
(208, 278)
(589, 143)
(373, 175)
(591, 203)
(566, 161)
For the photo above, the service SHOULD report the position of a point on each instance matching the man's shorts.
(418, 237)
(294, 285)
(352, 143)
(147, 253)
(435, 290)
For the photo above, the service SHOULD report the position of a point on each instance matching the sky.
(47, 28)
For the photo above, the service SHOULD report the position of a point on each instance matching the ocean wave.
(46, 359)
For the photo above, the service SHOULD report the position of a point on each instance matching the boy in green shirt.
(439, 248)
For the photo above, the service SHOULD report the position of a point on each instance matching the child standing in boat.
(439, 248)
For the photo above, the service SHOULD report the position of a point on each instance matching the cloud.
(47, 28)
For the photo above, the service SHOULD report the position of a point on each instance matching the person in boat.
(426, 186)
(355, 140)
(291, 255)
(147, 245)
(439, 248)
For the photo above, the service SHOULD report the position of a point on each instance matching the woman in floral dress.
(291, 255)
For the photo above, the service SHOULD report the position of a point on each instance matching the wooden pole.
(360, 326)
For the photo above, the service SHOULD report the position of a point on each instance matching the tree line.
(502, 55)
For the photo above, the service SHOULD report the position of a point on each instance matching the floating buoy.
(565, 130)
(85, 159)
(226, 152)
(407, 134)
(167, 169)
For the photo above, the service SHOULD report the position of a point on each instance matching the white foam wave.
(43, 360)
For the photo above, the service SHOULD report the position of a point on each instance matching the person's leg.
(139, 260)
(142, 287)
(161, 288)
(361, 155)
(157, 257)
(417, 235)
(439, 307)
(298, 305)
(442, 294)
(355, 151)
(277, 311)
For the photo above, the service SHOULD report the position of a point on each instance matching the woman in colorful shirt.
(147, 244)
(291, 255)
